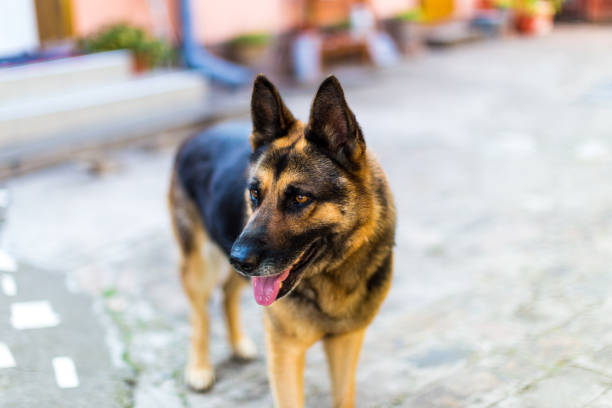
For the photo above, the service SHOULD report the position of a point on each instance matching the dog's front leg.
(342, 353)
(285, 359)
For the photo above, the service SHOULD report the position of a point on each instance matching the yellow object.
(437, 10)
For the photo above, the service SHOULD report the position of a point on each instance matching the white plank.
(9, 286)
(65, 372)
(33, 315)
(6, 358)
(7, 262)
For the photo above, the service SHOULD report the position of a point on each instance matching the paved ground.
(500, 157)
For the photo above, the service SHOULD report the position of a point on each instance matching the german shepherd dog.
(305, 212)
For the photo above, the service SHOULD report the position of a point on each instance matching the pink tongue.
(265, 288)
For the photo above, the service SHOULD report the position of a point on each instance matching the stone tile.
(603, 401)
(566, 387)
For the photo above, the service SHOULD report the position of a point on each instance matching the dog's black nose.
(244, 258)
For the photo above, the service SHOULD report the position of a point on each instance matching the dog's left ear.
(333, 126)
(271, 118)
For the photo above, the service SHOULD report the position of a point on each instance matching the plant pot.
(536, 21)
(140, 63)
(253, 55)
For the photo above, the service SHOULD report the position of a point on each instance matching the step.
(452, 33)
(41, 78)
(80, 110)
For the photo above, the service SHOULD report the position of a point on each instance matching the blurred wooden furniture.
(597, 10)
(332, 18)
(342, 45)
(590, 10)
(327, 13)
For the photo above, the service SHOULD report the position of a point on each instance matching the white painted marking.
(65, 372)
(7, 263)
(516, 143)
(537, 203)
(4, 198)
(33, 315)
(593, 150)
(9, 286)
(6, 358)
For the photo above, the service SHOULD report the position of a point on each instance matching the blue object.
(382, 49)
(306, 53)
(33, 56)
(490, 22)
(198, 58)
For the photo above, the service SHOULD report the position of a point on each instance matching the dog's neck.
(343, 287)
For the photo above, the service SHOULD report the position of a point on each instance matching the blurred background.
(492, 119)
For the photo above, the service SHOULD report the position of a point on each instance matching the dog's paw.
(245, 349)
(199, 379)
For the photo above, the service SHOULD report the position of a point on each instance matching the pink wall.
(464, 8)
(91, 15)
(219, 20)
(388, 8)
(214, 20)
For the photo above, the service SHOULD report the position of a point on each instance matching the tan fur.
(203, 267)
(342, 353)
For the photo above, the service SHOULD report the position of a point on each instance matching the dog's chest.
(330, 311)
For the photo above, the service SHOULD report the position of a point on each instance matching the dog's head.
(304, 191)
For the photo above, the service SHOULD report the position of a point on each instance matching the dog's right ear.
(333, 126)
(271, 118)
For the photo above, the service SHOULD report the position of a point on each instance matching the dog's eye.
(254, 192)
(301, 199)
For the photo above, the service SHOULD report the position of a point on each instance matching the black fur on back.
(212, 167)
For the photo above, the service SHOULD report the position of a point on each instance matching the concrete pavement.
(499, 154)
(75, 332)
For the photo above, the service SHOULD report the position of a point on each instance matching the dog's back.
(211, 168)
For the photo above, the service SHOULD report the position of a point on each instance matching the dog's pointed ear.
(271, 118)
(332, 125)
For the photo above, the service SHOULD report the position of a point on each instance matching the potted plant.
(251, 49)
(534, 17)
(403, 29)
(147, 52)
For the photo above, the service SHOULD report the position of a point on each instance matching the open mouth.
(267, 289)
